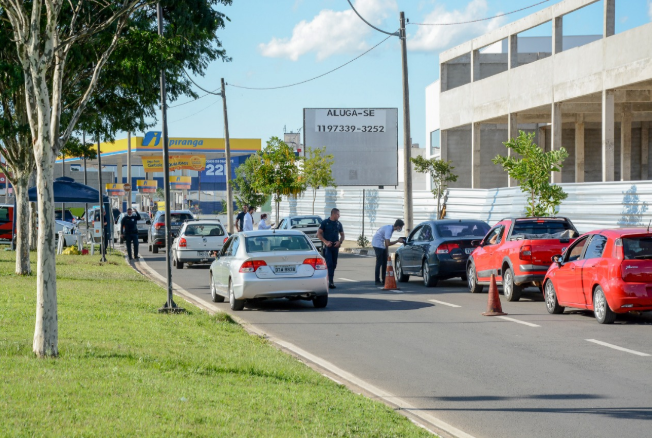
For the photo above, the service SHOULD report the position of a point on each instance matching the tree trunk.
(22, 225)
(438, 203)
(314, 196)
(46, 331)
(33, 228)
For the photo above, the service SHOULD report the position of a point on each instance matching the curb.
(418, 416)
(357, 251)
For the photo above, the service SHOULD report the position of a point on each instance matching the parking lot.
(432, 349)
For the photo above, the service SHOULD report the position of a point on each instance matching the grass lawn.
(125, 370)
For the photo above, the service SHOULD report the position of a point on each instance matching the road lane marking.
(507, 318)
(444, 303)
(349, 280)
(616, 347)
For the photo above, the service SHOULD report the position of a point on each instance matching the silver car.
(259, 265)
(308, 224)
(196, 241)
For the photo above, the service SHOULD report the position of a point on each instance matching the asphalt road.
(487, 376)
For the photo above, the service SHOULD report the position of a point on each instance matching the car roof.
(206, 222)
(621, 232)
(454, 221)
(271, 233)
(302, 216)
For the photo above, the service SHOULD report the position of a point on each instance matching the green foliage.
(533, 171)
(441, 173)
(363, 242)
(317, 171)
(76, 149)
(245, 192)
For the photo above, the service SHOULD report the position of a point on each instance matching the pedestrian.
(239, 219)
(249, 220)
(381, 243)
(262, 225)
(106, 231)
(129, 231)
(331, 234)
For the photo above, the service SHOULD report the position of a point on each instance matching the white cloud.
(331, 32)
(434, 38)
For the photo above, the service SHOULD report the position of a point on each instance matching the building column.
(626, 144)
(609, 25)
(579, 149)
(645, 151)
(443, 145)
(475, 65)
(555, 143)
(512, 132)
(558, 34)
(608, 129)
(542, 137)
(443, 77)
(512, 50)
(475, 155)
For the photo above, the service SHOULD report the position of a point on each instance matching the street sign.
(127, 187)
(363, 142)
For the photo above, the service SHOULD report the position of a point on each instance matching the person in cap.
(129, 231)
(331, 234)
(381, 243)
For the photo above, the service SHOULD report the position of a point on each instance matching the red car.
(519, 252)
(607, 271)
(6, 221)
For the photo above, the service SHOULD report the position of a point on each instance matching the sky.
(279, 42)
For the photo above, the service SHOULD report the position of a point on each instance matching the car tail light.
(182, 243)
(446, 248)
(317, 263)
(618, 249)
(525, 253)
(252, 265)
(225, 239)
(159, 225)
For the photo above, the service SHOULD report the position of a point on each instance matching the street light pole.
(227, 153)
(102, 211)
(407, 141)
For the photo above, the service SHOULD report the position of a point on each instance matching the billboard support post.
(407, 141)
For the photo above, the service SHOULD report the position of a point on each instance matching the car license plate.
(202, 254)
(285, 269)
(469, 250)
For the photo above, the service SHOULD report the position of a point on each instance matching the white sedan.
(196, 242)
(260, 265)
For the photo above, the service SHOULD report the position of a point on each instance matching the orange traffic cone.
(390, 280)
(493, 304)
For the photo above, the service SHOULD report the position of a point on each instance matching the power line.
(479, 19)
(192, 115)
(371, 25)
(190, 101)
(316, 77)
(200, 87)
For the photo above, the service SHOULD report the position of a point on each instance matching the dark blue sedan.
(437, 250)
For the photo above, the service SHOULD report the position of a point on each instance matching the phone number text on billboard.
(349, 128)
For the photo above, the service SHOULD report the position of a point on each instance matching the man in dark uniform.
(239, 219)
(331, 234)
(129, 231)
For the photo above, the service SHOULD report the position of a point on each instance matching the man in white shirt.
(248, 224)
(381, 243)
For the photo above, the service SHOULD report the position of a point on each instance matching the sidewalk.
(352, 247)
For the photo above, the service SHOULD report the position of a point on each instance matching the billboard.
(177, 162)
(115, 189)
(215, 171)
(146, 186)
(180, 182)
(363, 141)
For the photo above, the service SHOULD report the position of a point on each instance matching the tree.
(245, 192)
(317, 171)
(441, 173)
(276, 172)
(533, 171)
(61, 51)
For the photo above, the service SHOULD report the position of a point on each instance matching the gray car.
(156, 236)
(309, 224)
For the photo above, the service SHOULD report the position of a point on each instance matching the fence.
(589, 205)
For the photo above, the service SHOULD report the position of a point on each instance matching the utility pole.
(85, 183)
(407, 141)
(101, 191)
(170, 306)
(129, 169)
(227, 152)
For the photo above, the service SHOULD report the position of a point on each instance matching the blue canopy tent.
(66, 190)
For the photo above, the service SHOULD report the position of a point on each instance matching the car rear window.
(277, 242)
(204, 230)
(637, 247)
(305, 222)
(543, 229)
(462, 229)
(177, 217)
(4, 215)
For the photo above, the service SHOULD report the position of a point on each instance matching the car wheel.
(154, 249)
(320, 302)
(551, 299)
(400, 276)
(177, 264)
(217, 298)
(472, 279)
(235, 304)
(428, 280)
(601, 309)
(511, 291)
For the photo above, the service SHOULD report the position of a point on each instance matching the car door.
(408, 252)
(568, 280)
(228, 260)
(421, 247)
(483, 257)
(592, 264)
(219, 272)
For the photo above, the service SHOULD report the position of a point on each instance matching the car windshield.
(305, 222)
(204, 230)
(637, 247)
(543, 229)
(177, 217)
(462, 229)
(277, 242)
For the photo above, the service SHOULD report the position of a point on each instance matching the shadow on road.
(336, 304)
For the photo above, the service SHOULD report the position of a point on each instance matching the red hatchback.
(607, 271)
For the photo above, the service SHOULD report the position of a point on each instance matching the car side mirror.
(558, 259)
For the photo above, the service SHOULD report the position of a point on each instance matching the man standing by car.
(239, 219)
(331, 234)
(381, 243)
(249, 220)
(129, 231)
